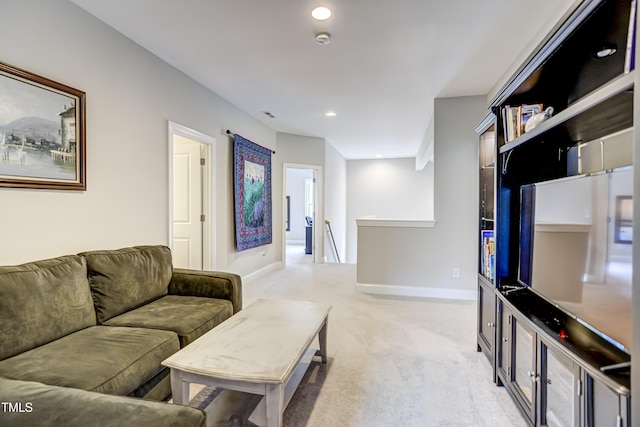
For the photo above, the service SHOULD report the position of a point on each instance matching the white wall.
(296, 191)
(131, 95)
(305, 151)
(456, 192)
(425, 152)
(386, 188)
(336, 203)
(420, 261)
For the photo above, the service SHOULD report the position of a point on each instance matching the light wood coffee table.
(263, 349)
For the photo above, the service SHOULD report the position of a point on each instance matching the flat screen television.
(576, 248)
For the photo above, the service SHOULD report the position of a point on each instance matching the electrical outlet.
(455, 273)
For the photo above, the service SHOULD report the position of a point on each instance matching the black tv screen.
(576, 248)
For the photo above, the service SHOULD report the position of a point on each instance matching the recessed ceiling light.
(321, 13)
(330, 114)
(605, 51)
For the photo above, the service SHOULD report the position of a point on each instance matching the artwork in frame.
(252, 191)
(42, 132)
(623, 225)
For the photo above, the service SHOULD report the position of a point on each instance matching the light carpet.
(392, 361)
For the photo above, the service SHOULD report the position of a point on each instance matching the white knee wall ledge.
(394, 222)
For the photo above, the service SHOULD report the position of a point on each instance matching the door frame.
(208, 189)
(318, 217)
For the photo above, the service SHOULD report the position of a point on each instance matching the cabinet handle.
(491, 325)
(505, 339)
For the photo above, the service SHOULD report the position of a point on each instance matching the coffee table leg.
(274, 401)
(179, 388)
(322, 338)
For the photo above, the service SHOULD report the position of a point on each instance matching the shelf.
(593, 99)
(579, 342)
(395, 222)
(484, 280)
(612, 105)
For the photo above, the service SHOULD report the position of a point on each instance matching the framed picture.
(42, 132)
(252, 193)
(624, 219)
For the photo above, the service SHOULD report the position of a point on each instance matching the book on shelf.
(524, 113)
(510, 121)
(514, 119)
(488, 254)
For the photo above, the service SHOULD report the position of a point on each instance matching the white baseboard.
(417, 291)
(264, 270)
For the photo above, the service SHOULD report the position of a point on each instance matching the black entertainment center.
(555, 261)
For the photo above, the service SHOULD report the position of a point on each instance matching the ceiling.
(387, 60)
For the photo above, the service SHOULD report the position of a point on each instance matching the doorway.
(302, 187)
(191, 198)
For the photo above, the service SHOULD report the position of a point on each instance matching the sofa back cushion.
(127, 278)
(42, 301)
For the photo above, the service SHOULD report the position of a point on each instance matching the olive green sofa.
(33, 404)
(101, 323)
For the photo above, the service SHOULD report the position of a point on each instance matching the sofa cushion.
(210, 284)
(42, 301)
(189, 317)
(127, 278)
(104, 359)
(53, 406)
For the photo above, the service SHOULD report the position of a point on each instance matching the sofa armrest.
(30, 403)
(211, 284)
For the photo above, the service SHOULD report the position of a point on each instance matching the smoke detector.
(323, 39)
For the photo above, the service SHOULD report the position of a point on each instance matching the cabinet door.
(523, 366)
(560, 400)
(503, 346)
(487, 196)
(605, 407)
(486, 319)
(487, 177)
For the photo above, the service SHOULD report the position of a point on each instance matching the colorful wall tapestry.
(252, 189)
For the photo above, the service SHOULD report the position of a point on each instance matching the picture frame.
(623, 224)
(42, 132)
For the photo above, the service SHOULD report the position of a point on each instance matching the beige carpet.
(392, 361)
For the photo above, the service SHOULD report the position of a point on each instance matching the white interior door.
(187, 204)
